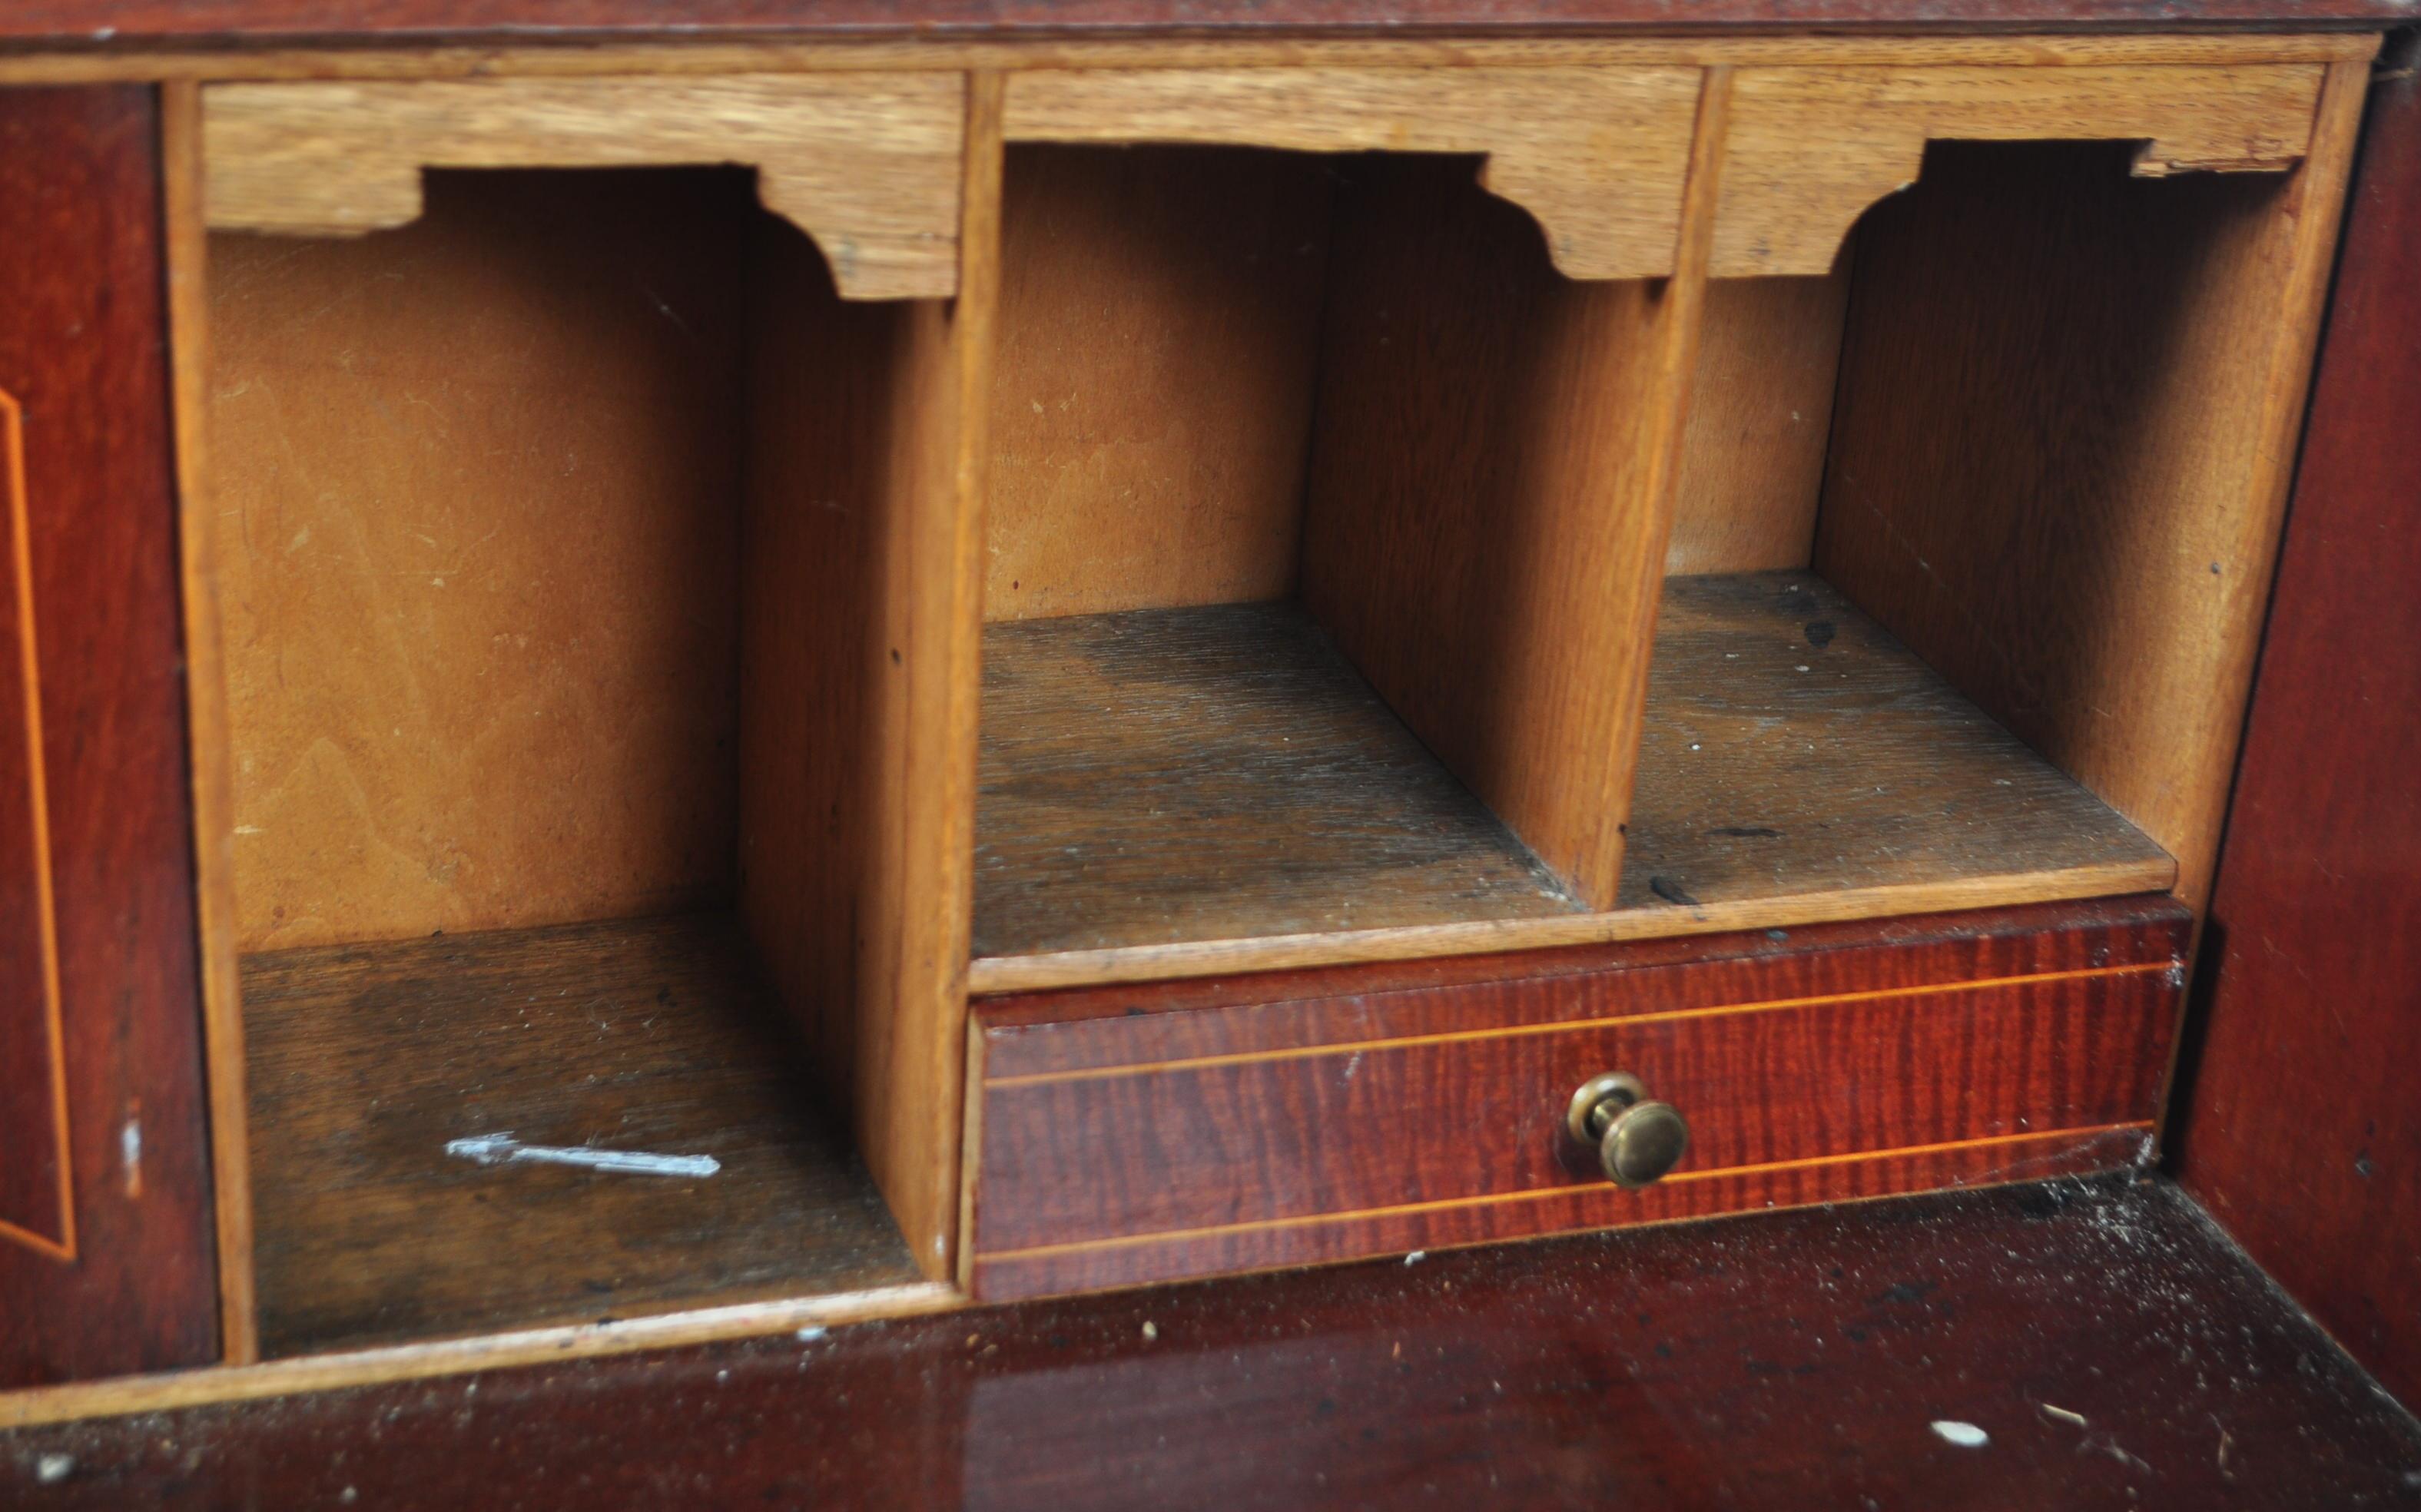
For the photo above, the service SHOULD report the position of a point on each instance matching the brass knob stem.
(1638, 1139)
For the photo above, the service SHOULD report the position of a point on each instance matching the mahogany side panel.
(82, 323)
(1150, 1134)
(2315, 932)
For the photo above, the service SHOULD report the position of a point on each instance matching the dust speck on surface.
(51, 1469)
(2061, 1414)
(1417, 1257)
(811, 1333)
(1150, 1329)
(1966, 1435)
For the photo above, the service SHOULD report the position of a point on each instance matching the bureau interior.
(546, 530)
(1967, 547)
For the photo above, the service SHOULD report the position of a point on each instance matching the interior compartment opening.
(1931, 641)
(1242, 679)
(545, 526)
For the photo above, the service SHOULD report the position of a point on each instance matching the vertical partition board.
(1159, 329)
(862, 632)
(1491, 489)
(2068, 406)
(106, 1254)
(207, 744)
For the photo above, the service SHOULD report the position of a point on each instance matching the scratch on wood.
(502, 1148)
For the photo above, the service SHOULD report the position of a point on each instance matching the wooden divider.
(865, 633)
(1492, 486)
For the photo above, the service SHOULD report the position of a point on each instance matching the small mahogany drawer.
(1128, 1134)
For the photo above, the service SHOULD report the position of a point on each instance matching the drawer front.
(1126, 1135)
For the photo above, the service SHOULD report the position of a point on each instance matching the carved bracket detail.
(868, 165)
(1596, 154)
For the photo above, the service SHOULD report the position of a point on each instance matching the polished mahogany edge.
(83, 348)
(1967, 1049)
(77, 22)
(2148, 925)
(2085, 1152)
(2298, 1127)
(1776, 1363)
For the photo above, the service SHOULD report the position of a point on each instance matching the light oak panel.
(1813, 147)
(1760, 414)
(1491, 490)
(914, 999)
(2069, 407)
(1598, 155)
(475, 488)
(1160, 327)
(866, 164)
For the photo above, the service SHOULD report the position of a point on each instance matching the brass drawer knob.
(1637, 1138)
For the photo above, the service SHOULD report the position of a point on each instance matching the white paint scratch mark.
(1417, 1257)
(1352, 1064)
(2061, 1414)
(501, 1149)
(1966, 1435)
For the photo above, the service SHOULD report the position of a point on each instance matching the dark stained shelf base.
(1176, 774)
(653, 1036)
(1185, 777)
(2107, 1343)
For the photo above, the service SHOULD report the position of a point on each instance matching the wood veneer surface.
(92, 534)
(654, 1037)
(2118, 1353)
(1200, 775)
(2315, 936)
(478, 482)
(1140, 1133)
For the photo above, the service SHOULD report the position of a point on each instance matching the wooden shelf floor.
(1167, 792)
(654, 1037)
(2074, 1346)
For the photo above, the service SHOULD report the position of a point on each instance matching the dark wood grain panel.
(2119, 1354)
(1793, 746)
(1178, 775)
(2315, 934)
(653, 1036)
(70, 20)
(1123, 1140)
(83, 354)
